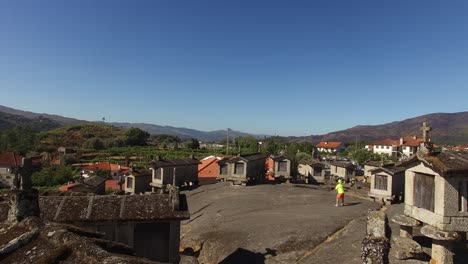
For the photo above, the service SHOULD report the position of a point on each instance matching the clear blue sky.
(274, 67)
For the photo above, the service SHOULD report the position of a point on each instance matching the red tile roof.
(10, 159)
(65, 187)
(412, 141)
(329, 144)
(387, 142)
(112, 184)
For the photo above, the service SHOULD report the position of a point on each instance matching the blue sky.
(273, 67)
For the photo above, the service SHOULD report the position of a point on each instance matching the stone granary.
(436, 194)
(278, 168)
(138, 181)
(178, 172)
(9, 162)
(313, 170)
(243, 169)
(342, 169)
(149, 224)
(374, 164)
(387, 183)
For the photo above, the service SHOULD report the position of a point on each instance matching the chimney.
(415, 137)
(326, 142)
(401, 141)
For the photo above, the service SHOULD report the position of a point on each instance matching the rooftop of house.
(104, 208)
(105, 166)
(207, 162)
(387, 142)
(329, 144)
(445, 163)
(10, 159)
(411, 141)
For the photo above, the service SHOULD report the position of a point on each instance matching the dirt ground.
(284, 223)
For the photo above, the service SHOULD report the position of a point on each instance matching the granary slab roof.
(103, 208)
(50, 242)
(342, 164)
(174, 162)
(248, 157)
(444, 163)
(313, 163)
(390, 170)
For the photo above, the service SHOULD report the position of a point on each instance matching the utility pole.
(227, 143)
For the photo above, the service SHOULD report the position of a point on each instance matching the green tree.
(19, 139)
(136, 137)
(193, 144)
(247, 144)
(53, 176)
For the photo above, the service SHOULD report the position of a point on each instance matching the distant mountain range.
(448, 128)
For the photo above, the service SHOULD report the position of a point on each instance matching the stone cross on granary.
(426, 129)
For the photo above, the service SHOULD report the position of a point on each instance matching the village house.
(178, 172)
(436, 194)
(278, 168)
(243, 169)
(138, 181)
(342, 169)
(116, 171)
(208, 170)
(313, 170)
(330, 146)
(387, 183)
(405, 147)
(9, 161)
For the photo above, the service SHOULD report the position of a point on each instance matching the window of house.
(282, 166)
(424, 191)
(239, 168)
(223, 169)
(380, 182)
(463, 196)
(129, 182)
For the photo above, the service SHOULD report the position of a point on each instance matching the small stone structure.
(313, 170)
(279, 167)
(387, 183)
(375, 246)
(24, 199)
(243, 169)
(342, 169)
(176, 172)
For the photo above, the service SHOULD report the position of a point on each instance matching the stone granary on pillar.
(436, 193)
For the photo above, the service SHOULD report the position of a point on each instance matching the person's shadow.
(351, 204)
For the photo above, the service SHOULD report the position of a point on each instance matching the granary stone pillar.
(375, 246)
(24, 202)
(442, 244)
(406, 224)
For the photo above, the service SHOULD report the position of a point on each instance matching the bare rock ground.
(270, 223)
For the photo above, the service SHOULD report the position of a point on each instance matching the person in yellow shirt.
(340, 193)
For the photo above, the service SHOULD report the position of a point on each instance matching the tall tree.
(136, 137)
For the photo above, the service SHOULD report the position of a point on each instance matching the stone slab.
(438, 234)
(405, 220)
